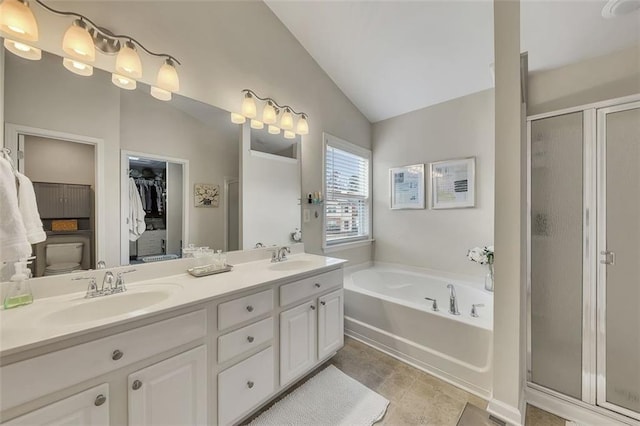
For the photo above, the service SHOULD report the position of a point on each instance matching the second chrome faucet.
(453, 301)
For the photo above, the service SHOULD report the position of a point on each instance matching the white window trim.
(336, 142)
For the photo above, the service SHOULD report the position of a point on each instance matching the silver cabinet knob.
(313, 308)
(250, 384)
(100, 399)
(250, 308)
(117, 354)
(250, 339)
(137, 384)
(323, 303)
(317, 285)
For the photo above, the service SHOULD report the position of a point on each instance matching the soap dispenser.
(20, 290)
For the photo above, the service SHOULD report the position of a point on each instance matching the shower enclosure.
(584, 257)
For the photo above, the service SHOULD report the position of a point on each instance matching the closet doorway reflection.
(154, 211)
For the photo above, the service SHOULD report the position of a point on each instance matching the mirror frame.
(124, 197)
(12, 141)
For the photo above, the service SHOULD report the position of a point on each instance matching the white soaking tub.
(385, 306)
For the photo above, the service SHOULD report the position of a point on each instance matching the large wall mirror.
(101, 158)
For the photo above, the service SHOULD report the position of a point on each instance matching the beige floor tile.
(537, 417)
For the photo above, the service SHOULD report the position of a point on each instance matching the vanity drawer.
(244, 309)
(308, 287)
(244, 339)
(243, 386)
(61, 369)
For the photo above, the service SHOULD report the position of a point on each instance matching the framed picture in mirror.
(206, 195)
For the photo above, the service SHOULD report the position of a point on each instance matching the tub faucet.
(453, 302)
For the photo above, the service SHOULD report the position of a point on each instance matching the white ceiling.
(392, 57)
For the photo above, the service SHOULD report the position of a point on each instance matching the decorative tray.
(203, 271)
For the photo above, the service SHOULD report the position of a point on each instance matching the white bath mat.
(329, 398)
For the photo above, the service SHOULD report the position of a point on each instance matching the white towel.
(137, 225)
(29, 211)
(14, 244)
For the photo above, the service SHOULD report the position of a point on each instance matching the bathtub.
(385, 307)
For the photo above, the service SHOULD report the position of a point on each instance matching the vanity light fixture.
(19, 28)
(274, 130)
(270, 113)
(238, 118)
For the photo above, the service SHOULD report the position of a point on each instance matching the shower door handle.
(609, 257)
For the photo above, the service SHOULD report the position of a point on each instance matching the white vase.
(488, 279)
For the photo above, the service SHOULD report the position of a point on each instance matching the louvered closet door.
(619, 253)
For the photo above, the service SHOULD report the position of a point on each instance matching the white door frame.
(13, 133)
(124, 197)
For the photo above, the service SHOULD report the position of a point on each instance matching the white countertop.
(28, 327)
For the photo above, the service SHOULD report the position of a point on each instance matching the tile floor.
(416, 397)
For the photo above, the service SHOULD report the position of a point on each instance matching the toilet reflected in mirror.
(63, 258)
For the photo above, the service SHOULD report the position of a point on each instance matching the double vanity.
(172, 348)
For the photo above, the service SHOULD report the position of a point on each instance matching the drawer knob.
(323, 303)
(100, 399)
(317, 285)
(313, 308)
(250, 339)
(137, 384)
(250, 384)
(116, 355)
(250, 308)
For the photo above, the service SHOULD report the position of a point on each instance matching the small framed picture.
(453, 183)
(206, 195)
(407, 187)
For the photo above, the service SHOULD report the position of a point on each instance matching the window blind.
(347, 200)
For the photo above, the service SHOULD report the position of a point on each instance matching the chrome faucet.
(453, 301)
(434, 306)
(280, 255)
(108, 279)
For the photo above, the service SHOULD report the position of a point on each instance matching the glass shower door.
(619, 265)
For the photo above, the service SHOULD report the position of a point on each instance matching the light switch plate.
(306, 215)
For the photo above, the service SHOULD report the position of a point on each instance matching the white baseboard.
(510, 414)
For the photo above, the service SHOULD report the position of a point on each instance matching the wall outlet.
(306, 215)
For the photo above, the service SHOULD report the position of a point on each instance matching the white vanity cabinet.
(88, 408)
(172, 392)
(313, 329)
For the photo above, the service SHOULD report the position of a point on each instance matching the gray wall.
(47, 160)
(597, 79)
(435, 239)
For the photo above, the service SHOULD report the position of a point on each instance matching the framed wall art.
(453, 183)
(206, 195)
(407, 187)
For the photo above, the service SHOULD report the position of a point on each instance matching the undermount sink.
(98, 308)
(290, 265)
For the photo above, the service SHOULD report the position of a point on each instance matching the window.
(347, 169)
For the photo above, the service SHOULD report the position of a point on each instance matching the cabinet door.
(297, 341)
(77, 201)
(89, 408)
(50, 199)
(171, 392)
(330, 323)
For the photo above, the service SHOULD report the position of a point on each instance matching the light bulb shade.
(237, 118)
(269, 114)
(123, 82)
(302, 127)
(160, 94)
(128, 62)
(77, 67)
(77, 42)
(286, 122)
(168, 77)
(23, 50)
(17, 20)
(274, 130)
(249, 109)
(288, 134)
(255, 124)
